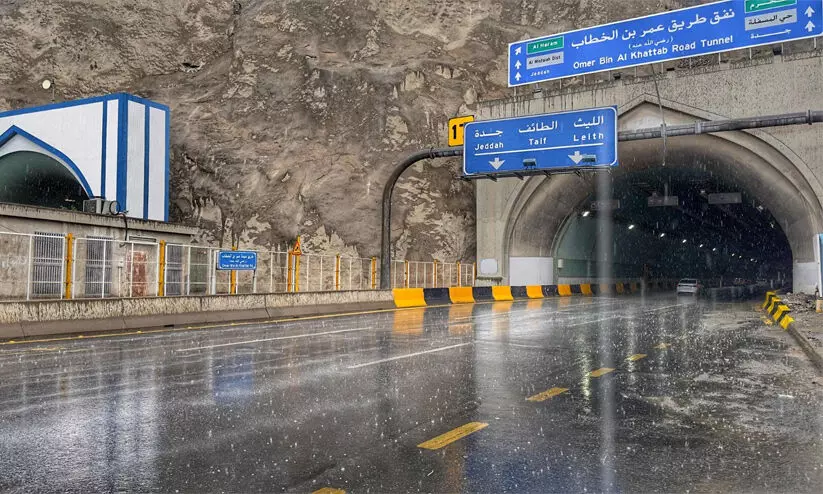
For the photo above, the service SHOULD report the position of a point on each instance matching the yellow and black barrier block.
(482, 294)
(535, 291)
(461, 295)
(409, 297)
(520, 292)
(437, 296)
(502, 293)
(550, 291)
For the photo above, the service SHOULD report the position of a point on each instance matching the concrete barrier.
(41, 318)
(46, 318)
(409, 297)
(437, 296)
(534, 291)
(423, 297)
(502, 293)
(461, 295)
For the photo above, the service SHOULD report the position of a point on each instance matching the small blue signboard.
(527, 145)
(701, 30)
(237, 260)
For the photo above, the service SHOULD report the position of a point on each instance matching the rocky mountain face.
(288, 115)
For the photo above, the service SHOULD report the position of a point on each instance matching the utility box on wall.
(116, 147)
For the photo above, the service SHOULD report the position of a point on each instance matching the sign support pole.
(388, 190)
(233, 290)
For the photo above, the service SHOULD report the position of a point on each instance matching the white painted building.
(115, 147)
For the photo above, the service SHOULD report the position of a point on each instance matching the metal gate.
(98, 267)
(174, 270)
(48, 254)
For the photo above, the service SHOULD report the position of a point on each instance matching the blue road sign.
(689, 32)
(237, 260)
(574, 139)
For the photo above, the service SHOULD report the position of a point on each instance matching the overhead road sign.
(605, 205)
(663, 201)
(541, 144)
(237, 260)
(689, 32)
(726, 198)
(456, 129)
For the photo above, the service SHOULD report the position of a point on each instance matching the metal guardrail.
(45, 266)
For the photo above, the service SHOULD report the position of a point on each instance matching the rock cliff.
(288, 115)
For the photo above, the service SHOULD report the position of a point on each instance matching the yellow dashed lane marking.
(636, 357)
(545, 395)
(452, 436)
(601, 372)
(662, 346)
(329, 490)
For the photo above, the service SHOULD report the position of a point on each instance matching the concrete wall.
(782, 167)
(526, 271)
(27, 319)
(29, 219)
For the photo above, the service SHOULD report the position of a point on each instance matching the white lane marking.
(410, 355)
(307, 335)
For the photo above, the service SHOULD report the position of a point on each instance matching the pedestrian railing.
(56, 266)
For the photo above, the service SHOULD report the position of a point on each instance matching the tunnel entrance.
(665, 225)
(554, 226)
(34, 179)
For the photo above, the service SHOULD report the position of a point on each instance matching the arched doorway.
(35, 179)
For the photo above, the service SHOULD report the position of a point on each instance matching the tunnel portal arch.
(757, 162)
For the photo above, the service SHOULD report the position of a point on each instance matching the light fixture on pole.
(49, 84)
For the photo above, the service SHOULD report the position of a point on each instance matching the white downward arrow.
(497, 163)
(518, 50)
(810, 26)
(517, 76)
(576, 157)
(518, 65)
(810, 11)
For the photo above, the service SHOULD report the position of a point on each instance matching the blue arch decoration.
(17, 131)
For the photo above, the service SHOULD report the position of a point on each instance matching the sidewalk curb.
(779, 311)
(811, 351)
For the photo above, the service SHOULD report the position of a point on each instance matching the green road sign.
(545, 45)
(760, 5)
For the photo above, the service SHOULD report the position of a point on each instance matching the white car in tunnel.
(689, 286)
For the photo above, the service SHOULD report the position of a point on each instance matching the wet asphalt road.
(720, 402)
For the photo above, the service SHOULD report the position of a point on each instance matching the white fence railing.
(56, 266)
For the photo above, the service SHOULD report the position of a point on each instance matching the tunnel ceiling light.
(701, 246)
(586, 213)
(684, 240)
(662, 235)
(714, 250)
(752, 259)
(631, 227)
